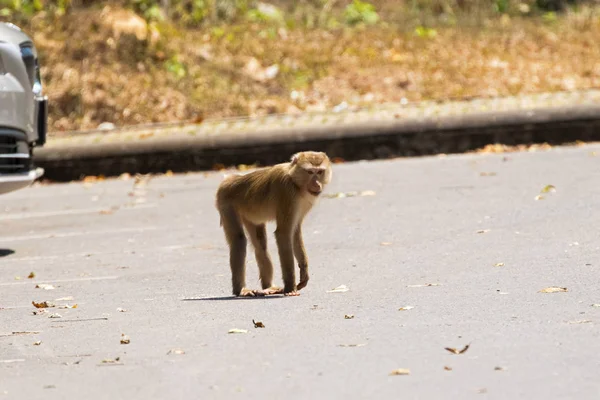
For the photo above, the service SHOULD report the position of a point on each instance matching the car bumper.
(12, 182)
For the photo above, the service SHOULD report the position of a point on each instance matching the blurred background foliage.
(142, 61)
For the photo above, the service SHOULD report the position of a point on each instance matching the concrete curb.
(387, 131)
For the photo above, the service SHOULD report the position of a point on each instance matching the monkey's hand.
(247, 293)
(269, 291)
(303, 278)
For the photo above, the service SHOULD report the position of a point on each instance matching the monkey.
(283, 193)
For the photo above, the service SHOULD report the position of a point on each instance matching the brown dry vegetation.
(108, 65)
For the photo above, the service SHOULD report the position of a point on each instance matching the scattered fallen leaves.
(31, 275)
(235, 330)
(553, 289)
(43, 304)
(55, 315)
(353, 345)
(125, 339)
(37, 343)
(258, 324)
(447, 368)
(44, 286)
(121, 309)
(176, 351)
(67, 306)
(425, 285)
(348, 316)
(548, 189)
(406, 308)
(339, 289)
(244, 167)
(400, 371)
(500, 264)
(456, 351)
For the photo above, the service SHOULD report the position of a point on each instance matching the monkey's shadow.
(269, 297)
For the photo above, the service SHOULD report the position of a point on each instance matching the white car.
(23, 109)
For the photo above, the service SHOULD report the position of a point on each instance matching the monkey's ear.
(294, 159)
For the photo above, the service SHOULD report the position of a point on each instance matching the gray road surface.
(146, 249)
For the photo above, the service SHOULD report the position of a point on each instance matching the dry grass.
(218, 71)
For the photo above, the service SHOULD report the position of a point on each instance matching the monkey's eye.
(320, 172)
(310, 172)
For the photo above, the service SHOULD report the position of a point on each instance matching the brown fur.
(285, 193)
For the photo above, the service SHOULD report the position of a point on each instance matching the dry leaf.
(176, 351)
(553, 289)
(124, 339)
(43, 304)
(68, 306)
(348, 316)
(55, 315)
(400, 371)
(235, 330)
(455, 351)
(37, 343)
(17, 278)
(595, 305)
(339, 289)
(425, 285)
(406, 308)
(44, 286)
(483, 231)
(500, 264)
(548, 189)
(447, 368)
(121, 309)
(258, 324)
(169, 173)
(500, 369)
(31, 275)
(111, 361)
(539, 197)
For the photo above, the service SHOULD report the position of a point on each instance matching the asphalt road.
(156, 251)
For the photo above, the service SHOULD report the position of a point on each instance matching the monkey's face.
(312, 171)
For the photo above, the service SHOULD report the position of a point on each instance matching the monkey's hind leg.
(258, 237)
(234, 233)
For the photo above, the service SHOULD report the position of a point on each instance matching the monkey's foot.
(269, 291)
(292, 293)
(247, 293)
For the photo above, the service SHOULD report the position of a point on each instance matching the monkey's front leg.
(283, 235)
(300, 254)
